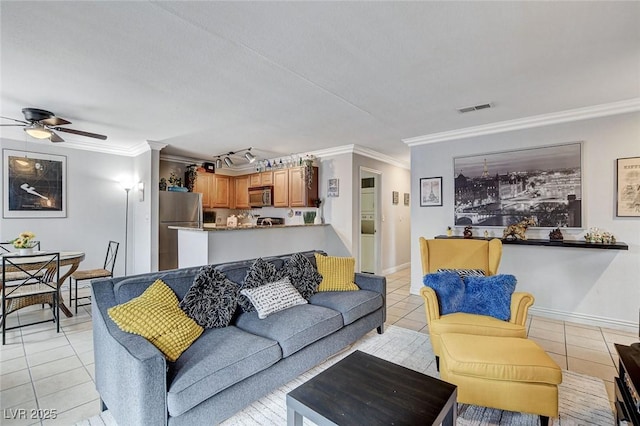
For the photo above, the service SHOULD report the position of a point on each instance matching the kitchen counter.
(198, 246)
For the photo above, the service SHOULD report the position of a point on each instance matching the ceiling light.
(218, 163)
(250, 157)
(228, 161)
(38, 131)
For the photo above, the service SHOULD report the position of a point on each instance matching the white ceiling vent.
(474, 108)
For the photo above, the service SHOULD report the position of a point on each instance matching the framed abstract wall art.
(628, 187)
(35, 184)
(502, 188)
(431, 191)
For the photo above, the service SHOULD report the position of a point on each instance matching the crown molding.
(603, 110)
(360, 150)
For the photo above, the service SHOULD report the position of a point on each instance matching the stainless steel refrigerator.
(176, 209)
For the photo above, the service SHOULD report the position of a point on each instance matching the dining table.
(69, 259)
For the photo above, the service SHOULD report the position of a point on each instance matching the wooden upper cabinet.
(221, 195)
(266, 178)
(281, 188)
(204, 185)
(260, 179)
(255, 180)
(300, 195)
(242, 191)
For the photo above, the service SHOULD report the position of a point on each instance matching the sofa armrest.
(375, 283)
(371, 282)
(431, 307)
(520, 303)
(130, 372)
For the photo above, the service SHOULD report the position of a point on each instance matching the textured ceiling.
(289, 77)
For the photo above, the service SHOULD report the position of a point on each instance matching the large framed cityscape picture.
(503, 188)
(35, 184)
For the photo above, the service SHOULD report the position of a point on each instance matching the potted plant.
(24, 243)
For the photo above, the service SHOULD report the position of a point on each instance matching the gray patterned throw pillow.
(273, 297)
(302, 274)
(465, 272)
(212, 299)
(260, 273)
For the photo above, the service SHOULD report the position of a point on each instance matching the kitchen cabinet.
(261, 179)
(241, 186)
(300, 195)
(215, 189)
(221, 194)
(203, 185)
(281, 188)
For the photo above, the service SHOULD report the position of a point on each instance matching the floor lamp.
(127, 188)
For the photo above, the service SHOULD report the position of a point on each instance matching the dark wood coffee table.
(362, 389)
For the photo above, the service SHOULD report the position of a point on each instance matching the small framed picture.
(333, 188)
(431, 191)
(628, 187)
(406, 198)
(395, 195)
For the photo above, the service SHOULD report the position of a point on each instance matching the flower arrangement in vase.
(24, 242)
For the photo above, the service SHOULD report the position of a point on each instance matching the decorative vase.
(25, 251)
(318, 218)
(308, 217)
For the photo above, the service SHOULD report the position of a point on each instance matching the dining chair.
(5, 247)
(39, 285)
(89, 274)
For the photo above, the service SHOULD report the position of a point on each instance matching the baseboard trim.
(587, 319)
(396, 268)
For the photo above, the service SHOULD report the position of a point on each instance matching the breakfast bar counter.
(212, 245)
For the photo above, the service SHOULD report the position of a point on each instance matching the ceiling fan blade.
(80, 133)
(55, 121)
(13, 119)
(7, 125)
(55, 138)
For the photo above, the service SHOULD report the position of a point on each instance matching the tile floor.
(42, 370)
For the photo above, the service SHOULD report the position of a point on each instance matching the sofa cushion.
(156, 316)
(179, 280)
(293, 328)
(353, 305)
(449, 288)
(212, 298)
(273, 297)
(260, 273)
(337, 273)
(220, 358)
(303, 274)
(489, 295)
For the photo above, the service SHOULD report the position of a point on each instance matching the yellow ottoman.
(507, 373)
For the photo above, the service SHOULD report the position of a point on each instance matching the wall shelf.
(549, 243)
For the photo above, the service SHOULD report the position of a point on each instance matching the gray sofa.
(225, 369)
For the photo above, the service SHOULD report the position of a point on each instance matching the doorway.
(370, 220)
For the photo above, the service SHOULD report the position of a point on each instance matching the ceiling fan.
(42, 124)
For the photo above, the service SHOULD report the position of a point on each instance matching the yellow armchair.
(468, 254)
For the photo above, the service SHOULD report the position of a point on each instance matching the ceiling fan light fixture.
(250, 157)
(38, 131)
(228, 161)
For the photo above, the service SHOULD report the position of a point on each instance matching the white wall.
(583, 285)
(338, 211)
(95, 205)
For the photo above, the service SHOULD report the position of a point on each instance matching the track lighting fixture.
(226, 157)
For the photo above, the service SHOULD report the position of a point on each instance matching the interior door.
(370, 235)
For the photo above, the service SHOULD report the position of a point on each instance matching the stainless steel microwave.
(261, 197)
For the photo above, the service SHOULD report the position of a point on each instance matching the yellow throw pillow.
(156, 316)
(337, 273)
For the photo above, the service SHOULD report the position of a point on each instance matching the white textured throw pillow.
(273, 297)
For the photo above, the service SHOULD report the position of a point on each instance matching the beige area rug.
(582, 399)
